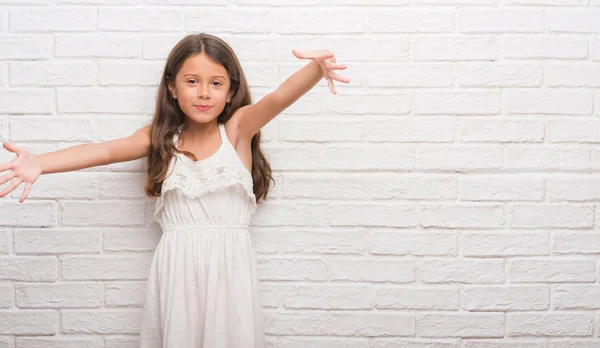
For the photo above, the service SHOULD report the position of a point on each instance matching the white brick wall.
(446, 198)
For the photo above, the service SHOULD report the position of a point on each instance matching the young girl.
(207, 170)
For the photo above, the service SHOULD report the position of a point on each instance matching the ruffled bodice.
(217, 190)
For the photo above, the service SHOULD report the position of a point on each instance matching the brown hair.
(168, 116)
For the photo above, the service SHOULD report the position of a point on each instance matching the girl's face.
(201, 88)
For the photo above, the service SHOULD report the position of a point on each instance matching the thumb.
(11, 147)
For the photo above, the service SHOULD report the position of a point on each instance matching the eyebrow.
(194, 75)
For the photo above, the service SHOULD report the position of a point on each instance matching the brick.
(471, 20)
(505, 298)
(102, 213)
(7, 297)
(504, 244)
(546, 157)
(24, 46)
(319, 21)
(550, 324)
(52, 19)
(577, 188)
(324, 242)
(413, 243)
(503, 130)
(323, 342)
(461, 215)
(502, 343)
(292, 269)
(575, 296)
(468, 271)
(372, 270)
(551, 46)
(372, 324)
(549, 216)
(378, 186)
(29, 269)
(369, 49)
(27, 101)
(31, 322)
(573, 20)
(460, 324)
(233, 20)
(419, 298)
(498, 74)
(134, 239)
(340, 157)
(97, 45)
(103, 322)
(130, 74)
(458, 157)
(500, 188)
(297, 323)
(410, 21)
(55, 73)
(57, 241)
(568, 242)
(60, 295)
(291, 214)
(51, 129)
(328, 296)
(101, 100)
(107, 267)
(42, 214)
(125, 294)
(59, 342)
(374, 214)
(445, 47)
(464, 102)
(140, 19)
(550, 270)
(413, 343)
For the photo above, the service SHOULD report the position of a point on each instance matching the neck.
(194, 130)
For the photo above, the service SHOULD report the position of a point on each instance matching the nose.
(202, 91)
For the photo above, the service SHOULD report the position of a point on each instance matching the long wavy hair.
(168, 116)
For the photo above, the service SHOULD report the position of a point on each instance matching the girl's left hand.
(326, 60)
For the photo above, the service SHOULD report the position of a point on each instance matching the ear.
(172, 90)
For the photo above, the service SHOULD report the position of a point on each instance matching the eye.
(218, 83)
(191, 81)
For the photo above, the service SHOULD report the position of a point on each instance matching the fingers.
(25, 192)
(7, 177)
(5, 167)
(318, 55)
(333, 66)
(304, 55)
(326, 55)
(339, 78)
(331, 86)
(11, 187)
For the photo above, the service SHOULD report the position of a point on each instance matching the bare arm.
(27, 167)
(251, 118)
(83, 156)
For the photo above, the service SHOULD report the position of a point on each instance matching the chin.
(201, 118)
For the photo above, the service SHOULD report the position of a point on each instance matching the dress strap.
(224, 138)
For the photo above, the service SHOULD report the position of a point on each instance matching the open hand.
(326, 60)
(26, 167)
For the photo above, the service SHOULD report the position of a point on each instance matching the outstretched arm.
(250, 119)
(27, 167)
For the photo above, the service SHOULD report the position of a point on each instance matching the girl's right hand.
(26, 167)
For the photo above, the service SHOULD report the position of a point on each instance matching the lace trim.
(195, 183)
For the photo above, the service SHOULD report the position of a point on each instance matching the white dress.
(202, 289)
